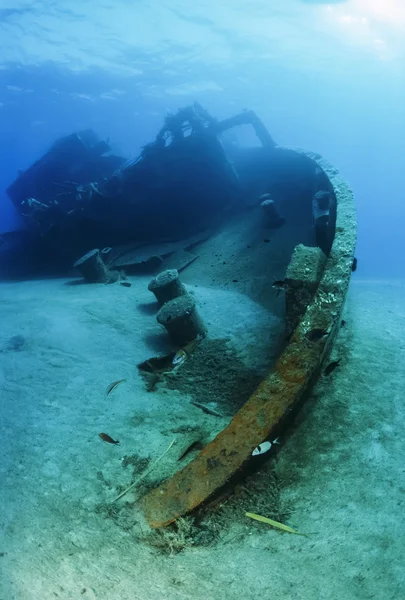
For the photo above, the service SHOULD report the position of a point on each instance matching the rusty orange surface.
(294, 373)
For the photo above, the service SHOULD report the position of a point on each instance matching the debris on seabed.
(275, 524)
(145, 473)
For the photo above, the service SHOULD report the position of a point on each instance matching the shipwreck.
(110, 217)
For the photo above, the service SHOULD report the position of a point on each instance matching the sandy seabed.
(341, 467)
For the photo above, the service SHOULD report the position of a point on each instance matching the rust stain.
(276, 395)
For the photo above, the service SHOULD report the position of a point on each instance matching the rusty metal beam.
(294, 373)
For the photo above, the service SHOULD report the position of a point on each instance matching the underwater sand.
(339, 472)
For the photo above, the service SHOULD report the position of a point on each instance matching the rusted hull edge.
(281, 390)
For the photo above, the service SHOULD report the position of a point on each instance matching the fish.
(185, 352)
(125, 283)
(106, 438)
(316, 334)
(179, 357)
(354, 264)
(331, 366)
(113, 385)
(264, 447)
(206, 409)
(342, 323)
(274, 523)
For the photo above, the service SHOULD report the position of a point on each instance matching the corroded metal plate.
(282, 389)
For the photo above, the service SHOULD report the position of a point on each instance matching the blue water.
(326, 76)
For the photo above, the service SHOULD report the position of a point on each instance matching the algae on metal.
(283, 388)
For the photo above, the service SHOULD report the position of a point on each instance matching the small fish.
(316, 334)
(207, 409)
(113, 385)
(179, 358)
(279, 286)
(266, 241)
(125, 283)
(107, 438)
(185, 352)
(354, 264)
(342, 323)
(331, 367)
(264, 447)
(274, 523)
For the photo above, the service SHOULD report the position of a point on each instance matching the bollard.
(181, 320)
(93, 269)
(166, 286)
